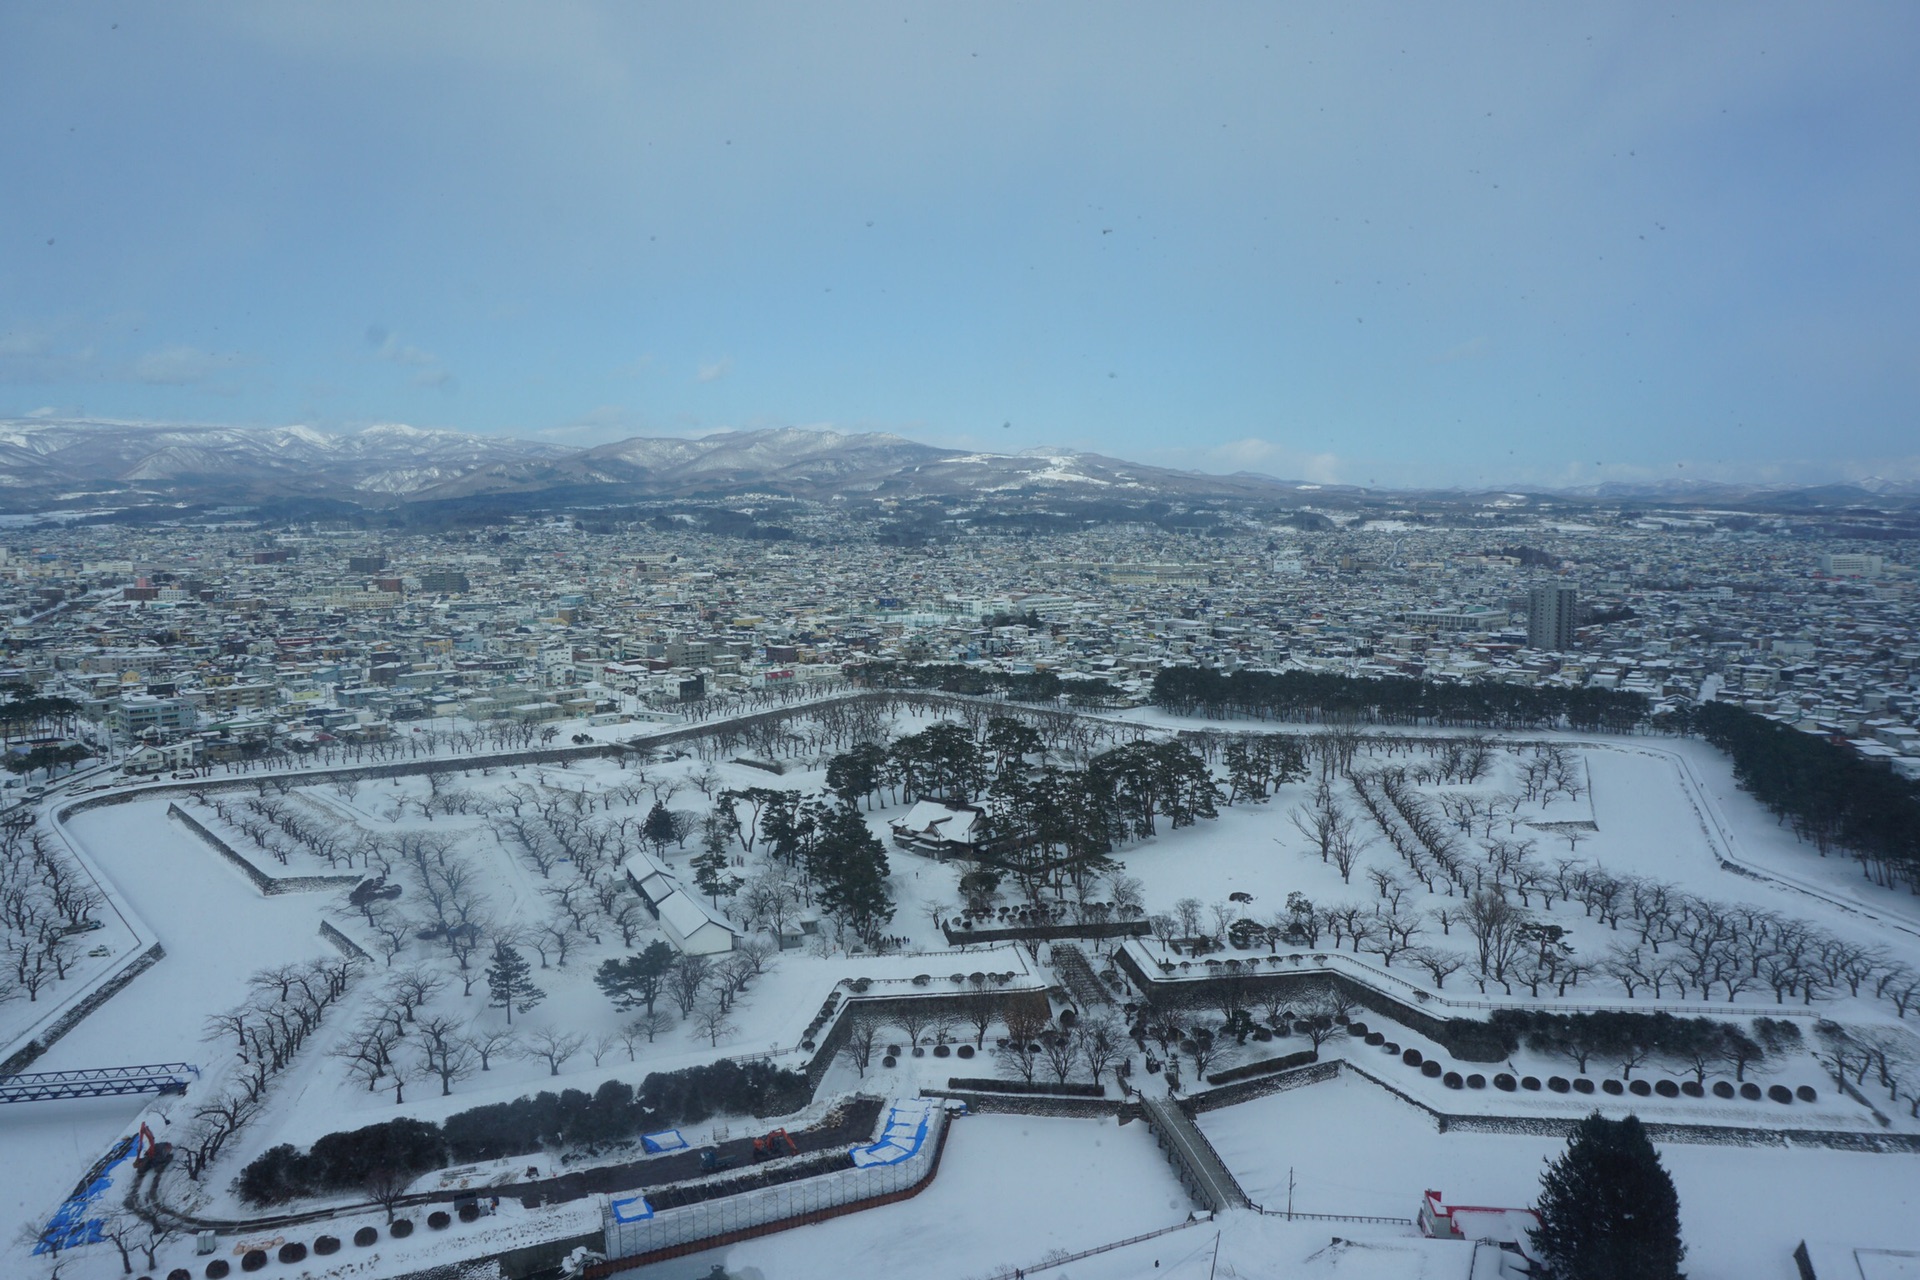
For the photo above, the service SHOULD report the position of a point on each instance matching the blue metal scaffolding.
(97, 1082)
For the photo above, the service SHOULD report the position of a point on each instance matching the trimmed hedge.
(1471, 1040)
(614, 1111)
(982, 1084)
(1264, 1067)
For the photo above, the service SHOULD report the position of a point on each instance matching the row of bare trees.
(1678, 943)
(284, 1007)
(47, 903)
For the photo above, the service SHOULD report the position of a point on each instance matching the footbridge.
(97, 1082)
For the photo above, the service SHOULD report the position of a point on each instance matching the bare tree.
(446, 1052)
(486, 1044)
(710, 1018)
(686, 980)
(862, 1032)
(553, 1047)
(1437, 963)
(1100, 1038)
(387, 1186)
(1394, 932)
(603, 1044)
(1346, 851)
(1061, 1051)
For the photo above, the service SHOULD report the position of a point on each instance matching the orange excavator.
(772, 1146)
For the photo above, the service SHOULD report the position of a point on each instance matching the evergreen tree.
(857, 771)
(636, 979)
(510, 982)
(1608, 1210)
(658, 828)
(850, 866)
(710, 864)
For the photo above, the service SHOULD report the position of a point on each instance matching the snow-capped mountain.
(45, 464)
(42, 461)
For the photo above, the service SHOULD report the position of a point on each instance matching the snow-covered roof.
(931, 818)
(651, 878)
(688, 922)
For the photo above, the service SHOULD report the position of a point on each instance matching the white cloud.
(429, 371)
(1255, 454)
(715, 371)
(180, 365)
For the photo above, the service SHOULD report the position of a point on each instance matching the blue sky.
(1392, 243)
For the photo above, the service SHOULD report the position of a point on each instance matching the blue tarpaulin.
(632, 1209)
(665, 1140)
(905, 1130)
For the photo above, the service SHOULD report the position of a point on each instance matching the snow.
(216, 928)
(1353, 1148)
(1009, 1189)
(1012, 1189)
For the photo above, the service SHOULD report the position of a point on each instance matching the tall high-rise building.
(1550, 617)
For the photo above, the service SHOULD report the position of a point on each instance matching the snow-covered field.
(1355, 1149)
(1009, 1190)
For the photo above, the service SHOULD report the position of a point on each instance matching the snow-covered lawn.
(1353, 1148)
(1010, 1189)
(216, 928)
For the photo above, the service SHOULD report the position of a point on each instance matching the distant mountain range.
(47, 465)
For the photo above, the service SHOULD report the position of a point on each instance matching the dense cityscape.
(215, 644)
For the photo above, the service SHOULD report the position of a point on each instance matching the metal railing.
(1062, 1259)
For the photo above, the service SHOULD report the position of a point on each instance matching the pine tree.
(710, 864)
(509, 982)
(658, 828)
(1608, 1210)
(636, 979)
(850, 866)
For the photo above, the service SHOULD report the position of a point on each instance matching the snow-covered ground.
(216, 928)
(1355, 1149)
(1009, 1190)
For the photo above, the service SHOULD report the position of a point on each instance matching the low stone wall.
(1247, 1090)
(1048, 932)
(1160, 989)
(342, 943)
(23, 1057)
(1658, 1130)
(1031, 1104)
(265, 883)
(834, 1038)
